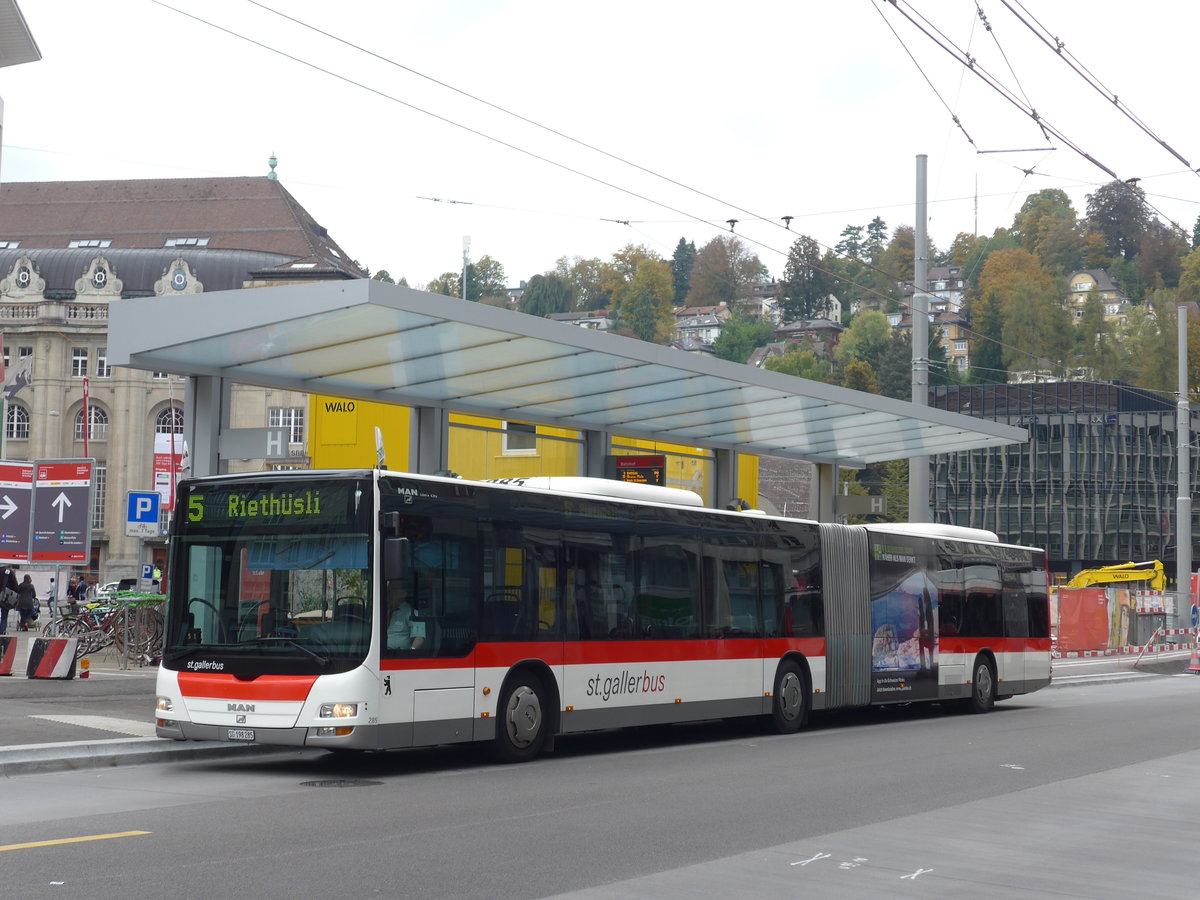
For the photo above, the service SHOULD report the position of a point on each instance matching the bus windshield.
(271, 577)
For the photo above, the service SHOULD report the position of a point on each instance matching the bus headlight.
(338, 710)
(163, 704)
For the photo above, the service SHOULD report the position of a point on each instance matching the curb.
(25, 759)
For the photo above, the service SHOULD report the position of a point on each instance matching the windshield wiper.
(322, 661)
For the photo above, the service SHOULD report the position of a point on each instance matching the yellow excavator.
(1149, 574)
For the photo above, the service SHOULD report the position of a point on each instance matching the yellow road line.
(74, 840)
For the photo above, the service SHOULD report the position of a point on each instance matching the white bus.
(372, 610)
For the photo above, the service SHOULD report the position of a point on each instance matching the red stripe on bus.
(997, 645)
(495, 655)
(226, 687)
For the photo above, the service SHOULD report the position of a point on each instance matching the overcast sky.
(749, 111)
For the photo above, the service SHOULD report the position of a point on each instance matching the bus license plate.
(239, 734)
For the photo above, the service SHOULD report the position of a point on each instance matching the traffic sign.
(62, 511)
(16, 498)
(141, 519)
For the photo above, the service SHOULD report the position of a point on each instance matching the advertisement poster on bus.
(167, 447)
(904, 642)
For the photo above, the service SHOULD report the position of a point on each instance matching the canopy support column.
(205, 416)
(429, 449)
(823, 503)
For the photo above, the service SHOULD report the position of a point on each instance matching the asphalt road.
(1085, 791)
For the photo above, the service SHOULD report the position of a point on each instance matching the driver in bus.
(403, 633)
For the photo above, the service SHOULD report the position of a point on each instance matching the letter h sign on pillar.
(277, 443)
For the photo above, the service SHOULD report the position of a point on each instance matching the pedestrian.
(26, 598)
(8, 582)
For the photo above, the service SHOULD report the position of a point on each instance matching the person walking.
(26, 597)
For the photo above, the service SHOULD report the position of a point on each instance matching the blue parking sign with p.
(143, 507)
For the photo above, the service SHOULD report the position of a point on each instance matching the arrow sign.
(62, 501)
(62, 504)
(16, 482)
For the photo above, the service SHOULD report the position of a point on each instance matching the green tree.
(877, 232)
(807, 282)
(486, 279)
(802, 363)
(851, 244)
(741, 335)
(1189, 278)
(645, 305)
(893, 368)
(383, 276)
(865, 339)
(1118, 211)
(724, 271)
(546, 294)
(1094, 339)
(682, 262)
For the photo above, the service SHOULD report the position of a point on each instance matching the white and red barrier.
(8, 654)
(52, 658)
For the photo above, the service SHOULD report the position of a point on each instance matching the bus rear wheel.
(789, 705)
(521, 731)
(983, 685)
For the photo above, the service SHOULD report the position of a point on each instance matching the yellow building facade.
(342, 435)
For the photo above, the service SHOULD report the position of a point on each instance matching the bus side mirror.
(397, 557)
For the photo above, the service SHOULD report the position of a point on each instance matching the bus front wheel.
(983, 685)
(789, 706)
(521, 731)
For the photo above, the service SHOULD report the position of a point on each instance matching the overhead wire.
(571, 169)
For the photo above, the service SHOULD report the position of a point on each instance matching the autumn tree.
(1034, 324)
(1118, 211)
(586, 277)
(546, 294)
(645, 303)
(1160, 255)
(447, 284)
(724, 271)
(859, 376)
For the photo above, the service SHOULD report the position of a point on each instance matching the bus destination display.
(638, 469)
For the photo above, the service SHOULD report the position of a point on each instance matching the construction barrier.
(8, 654)
(52, 658)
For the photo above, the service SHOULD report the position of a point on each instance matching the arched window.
(169, 421)
(98, 424)
(16, 424)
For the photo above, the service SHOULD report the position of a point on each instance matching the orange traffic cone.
(85, 667)
(1194, 666)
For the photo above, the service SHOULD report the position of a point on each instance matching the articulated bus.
(372, 610)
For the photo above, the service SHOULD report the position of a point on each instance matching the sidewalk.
(106, 719)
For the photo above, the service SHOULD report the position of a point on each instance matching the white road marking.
(132, 727)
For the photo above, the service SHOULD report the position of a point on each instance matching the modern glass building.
(1095, 484)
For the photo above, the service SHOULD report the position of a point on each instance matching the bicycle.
(96, 626)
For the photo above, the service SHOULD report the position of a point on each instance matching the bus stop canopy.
(372, 341)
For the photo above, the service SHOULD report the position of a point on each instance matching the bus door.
(733, 617)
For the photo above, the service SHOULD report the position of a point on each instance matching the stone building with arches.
(70, 249)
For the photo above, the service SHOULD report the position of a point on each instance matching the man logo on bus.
(240, 707)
